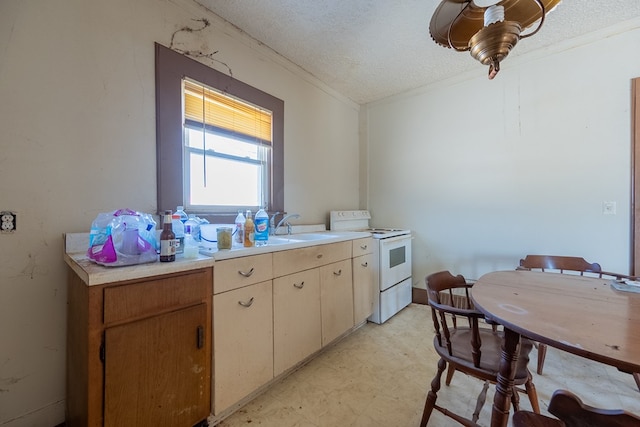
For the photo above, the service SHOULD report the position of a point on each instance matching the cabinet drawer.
(291, 261)
(238, 272)
(362, 246)
(155, 295)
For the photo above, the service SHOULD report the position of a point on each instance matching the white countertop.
(76, 245)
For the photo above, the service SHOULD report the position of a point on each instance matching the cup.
(224, 237)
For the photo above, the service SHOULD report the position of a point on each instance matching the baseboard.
(50, 415)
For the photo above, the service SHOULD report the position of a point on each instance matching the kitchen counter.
(76, 244)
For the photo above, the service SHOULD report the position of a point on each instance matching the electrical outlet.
(8, 224)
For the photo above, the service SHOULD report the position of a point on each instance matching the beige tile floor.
(380, 374)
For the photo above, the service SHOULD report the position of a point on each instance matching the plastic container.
(261, 225)
(224, 237)
(239, 236)
(183, 215)
(178, 229)
(191, 248)
(248, 230)
(192, 226)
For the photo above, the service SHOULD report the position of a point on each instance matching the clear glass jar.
(224, 237)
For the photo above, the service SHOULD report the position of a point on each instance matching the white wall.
(485, 172)
(77, 137)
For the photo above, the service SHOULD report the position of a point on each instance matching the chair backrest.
(559, 263)
(569, 408)
(567, 264)
(449, 294)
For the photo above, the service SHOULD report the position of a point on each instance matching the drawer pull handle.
(200, 336)
(300, 286)
(246, 304)
(319, 256)
(247, 274)
(365, 264)
(338, 273)
(363, 247)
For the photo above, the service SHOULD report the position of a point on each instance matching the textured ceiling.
(371, 49)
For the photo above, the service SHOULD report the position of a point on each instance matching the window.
(219, 141)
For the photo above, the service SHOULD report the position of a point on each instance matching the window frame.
(170, 68)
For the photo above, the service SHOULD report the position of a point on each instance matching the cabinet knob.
(300, 286)
(363, 247)
(337, 273)
(247, 273)
(365, 264)
(246, 304)
(200, 336)
(319, 256)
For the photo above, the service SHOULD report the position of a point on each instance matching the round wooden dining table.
(585, 316)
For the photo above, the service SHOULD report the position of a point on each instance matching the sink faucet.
(285, 221)
(272, 223)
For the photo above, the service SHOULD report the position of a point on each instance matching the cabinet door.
(155, 370)
(242, 342)
(296, 318)
(362, 288)
(336, 300)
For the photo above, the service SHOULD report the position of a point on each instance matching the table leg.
(506, 374)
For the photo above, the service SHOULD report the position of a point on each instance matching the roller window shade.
(204, 105)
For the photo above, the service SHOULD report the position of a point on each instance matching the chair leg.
(450, 371)
(482, 397)
(636, 376)
(430, 403)
(542, 353)
(515, 400)
(532, 393)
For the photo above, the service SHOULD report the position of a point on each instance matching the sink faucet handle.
(272, 222)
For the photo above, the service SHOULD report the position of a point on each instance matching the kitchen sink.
(306, 237)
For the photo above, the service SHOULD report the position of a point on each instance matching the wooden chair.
(470, 349)
(566, 265)
(571, 412)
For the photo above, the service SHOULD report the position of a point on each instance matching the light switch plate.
(608, 208)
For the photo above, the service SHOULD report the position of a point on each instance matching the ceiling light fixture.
(489, 29)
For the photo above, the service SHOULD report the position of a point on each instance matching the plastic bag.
(123, 237)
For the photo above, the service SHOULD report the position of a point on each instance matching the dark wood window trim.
(171, 68)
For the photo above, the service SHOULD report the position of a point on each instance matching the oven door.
(395, 260)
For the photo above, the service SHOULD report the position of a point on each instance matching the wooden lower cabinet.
(363, 288)
(242, 342)
(296, 318)
(336, 299)
(139, 351)
(153, 371)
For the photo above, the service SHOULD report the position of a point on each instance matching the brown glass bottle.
(167, 240)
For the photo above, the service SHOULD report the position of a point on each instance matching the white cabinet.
(296, 318)
(363, 279)
(242, 328)
(242, 342)
(336, 299)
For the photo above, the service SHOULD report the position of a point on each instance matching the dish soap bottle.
(248, 230)
(261, 224)
(239, 237)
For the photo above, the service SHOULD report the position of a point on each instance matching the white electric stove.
(392, 259)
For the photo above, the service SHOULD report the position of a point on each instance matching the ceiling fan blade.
(454, 22)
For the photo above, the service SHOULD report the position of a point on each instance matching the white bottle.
(261, 224)
(178, 229)
(239, 235)
(191, 248)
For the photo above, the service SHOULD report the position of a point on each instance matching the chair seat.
(491, 349)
